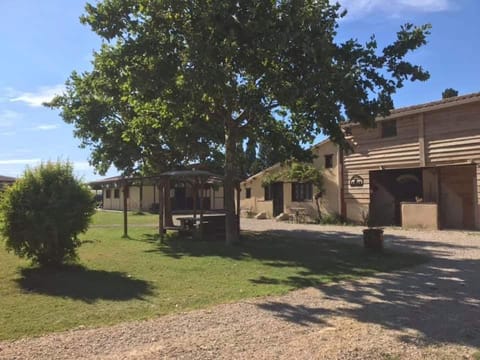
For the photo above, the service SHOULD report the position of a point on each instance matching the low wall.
(420, 215)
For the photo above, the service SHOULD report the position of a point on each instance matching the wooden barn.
(420, 167)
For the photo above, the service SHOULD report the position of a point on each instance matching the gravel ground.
(428, 312)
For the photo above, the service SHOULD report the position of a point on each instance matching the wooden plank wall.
(450, 136)
(453, 135)
(372, 152)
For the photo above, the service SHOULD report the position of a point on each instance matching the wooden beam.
(421, 140)
(125, 205)
(161, 205)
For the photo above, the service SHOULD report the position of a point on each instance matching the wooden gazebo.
(197, 179)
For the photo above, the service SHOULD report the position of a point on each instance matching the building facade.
(421, 155)
(145, 197)
(419, 167)
(285, 197)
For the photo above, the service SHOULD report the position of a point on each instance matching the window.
(116, 193)
(328, 161)
(108, 193)
(248, 193)
(389, 128)
(302, 191)
(268, 193)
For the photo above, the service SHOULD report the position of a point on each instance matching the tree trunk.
(238, 190)
(319, 212)
(232, 234)
(140, 205)
(168, 205)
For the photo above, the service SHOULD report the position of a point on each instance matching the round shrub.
(43, 212)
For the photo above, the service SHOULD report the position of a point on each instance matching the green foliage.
(296, 172)
(43, 212)
(181, 81)
(331, 219)
(448, 93)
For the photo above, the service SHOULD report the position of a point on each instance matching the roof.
(7, 179)
(180, 174)
(436, 105)
(430, 106)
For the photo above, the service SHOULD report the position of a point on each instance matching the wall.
(150, 197)
(329, 203)
(448, 135)
(420, 215)
(457, 189)
(372, 152)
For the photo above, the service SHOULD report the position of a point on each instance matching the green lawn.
(138, 278)
(116, 218)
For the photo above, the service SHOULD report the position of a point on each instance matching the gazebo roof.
(204, 175)
(188, 174)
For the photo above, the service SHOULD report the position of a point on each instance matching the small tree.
(448, 93)
(303, 173)
(42, 214)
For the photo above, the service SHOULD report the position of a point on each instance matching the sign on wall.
(356, 181)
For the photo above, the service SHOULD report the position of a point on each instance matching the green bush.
(331, 219)
(42, 214)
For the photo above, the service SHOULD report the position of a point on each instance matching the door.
(277, 197)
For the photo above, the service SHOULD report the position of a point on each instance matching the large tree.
(236, 71)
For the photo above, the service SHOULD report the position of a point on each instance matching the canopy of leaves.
(172, 72)
(43, 212)
(448, 93)
(181, 81)
(296, 172)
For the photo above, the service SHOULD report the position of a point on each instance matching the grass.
(105, 218)
(119, 279)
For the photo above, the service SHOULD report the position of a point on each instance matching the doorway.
(277, 197)
(388, 189)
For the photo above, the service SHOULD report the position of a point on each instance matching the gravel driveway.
(428, 312)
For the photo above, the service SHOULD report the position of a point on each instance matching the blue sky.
(43, 41)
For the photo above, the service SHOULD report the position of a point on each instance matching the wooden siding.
(444, 137)
(372, 152)
(453, 135)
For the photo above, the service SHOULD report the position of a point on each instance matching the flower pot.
(373, 238)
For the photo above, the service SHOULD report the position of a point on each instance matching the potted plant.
(372, 236)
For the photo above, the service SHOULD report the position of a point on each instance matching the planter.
(373, 239)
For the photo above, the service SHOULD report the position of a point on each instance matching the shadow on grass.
(79, 283)
(316, 259)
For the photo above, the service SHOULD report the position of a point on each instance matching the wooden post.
(141, 196)
(168, 204)
(161, 205)
(200, 226)
(125, 214)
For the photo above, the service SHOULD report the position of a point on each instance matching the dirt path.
(428, 312)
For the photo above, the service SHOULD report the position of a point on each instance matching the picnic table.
(211, 225)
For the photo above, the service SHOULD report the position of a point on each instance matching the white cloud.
(8, 133)
(82, 165)
(8, 117)
(360, 8)
(20, 162)
(37, 98)
(44, 127)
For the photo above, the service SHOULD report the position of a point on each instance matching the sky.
(42, 42)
